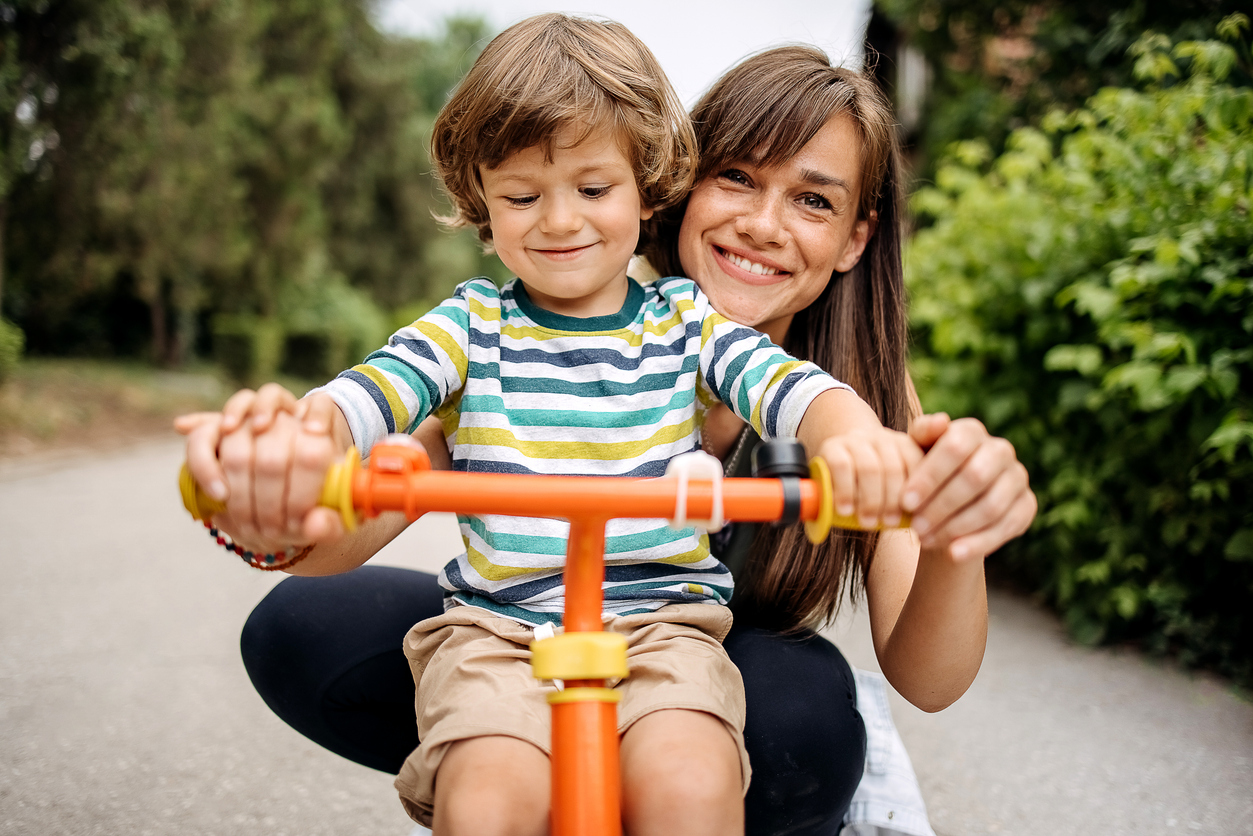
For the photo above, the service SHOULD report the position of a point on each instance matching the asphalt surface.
(124, 708)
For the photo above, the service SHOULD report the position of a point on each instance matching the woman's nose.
(762, 220)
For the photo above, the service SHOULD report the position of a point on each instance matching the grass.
(51, 404)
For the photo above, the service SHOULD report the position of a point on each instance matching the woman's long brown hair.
(764, 111)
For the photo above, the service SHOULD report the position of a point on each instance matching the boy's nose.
(561, 216)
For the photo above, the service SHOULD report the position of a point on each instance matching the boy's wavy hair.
(765, 110)
(549, 73)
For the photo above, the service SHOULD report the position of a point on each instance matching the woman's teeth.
(750, 266)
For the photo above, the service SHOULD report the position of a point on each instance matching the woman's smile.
(754, 267)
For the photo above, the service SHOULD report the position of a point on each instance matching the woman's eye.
(815, 201)
(521, 201)
(734, 175)
(594, 191)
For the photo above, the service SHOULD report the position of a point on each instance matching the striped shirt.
(523, 390)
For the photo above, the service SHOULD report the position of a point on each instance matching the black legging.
(325, 655)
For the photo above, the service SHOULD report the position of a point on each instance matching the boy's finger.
(926, 430)
(322, 525)
(866, 458)
(318, 413)
(843, 478)
(894, 472)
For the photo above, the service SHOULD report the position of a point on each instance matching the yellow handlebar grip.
(199, 504)
(337, 489)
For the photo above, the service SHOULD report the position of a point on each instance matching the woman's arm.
(926, 588)
(928, 618)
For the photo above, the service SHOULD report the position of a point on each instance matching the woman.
(793, 228)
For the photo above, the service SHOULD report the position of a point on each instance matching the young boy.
(564, 136)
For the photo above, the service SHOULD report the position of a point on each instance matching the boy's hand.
(868, 473)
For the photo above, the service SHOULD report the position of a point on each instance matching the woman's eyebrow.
(817, 178)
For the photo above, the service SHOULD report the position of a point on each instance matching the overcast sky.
(694, 41)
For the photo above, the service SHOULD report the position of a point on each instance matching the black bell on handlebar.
(781, 457)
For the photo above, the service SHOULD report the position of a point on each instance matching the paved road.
(124, 708)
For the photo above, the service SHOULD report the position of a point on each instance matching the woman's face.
(762, 242)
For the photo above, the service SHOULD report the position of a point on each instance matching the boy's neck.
(544, 315)
(605, 302)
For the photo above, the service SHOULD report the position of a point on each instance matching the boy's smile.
(567, 226)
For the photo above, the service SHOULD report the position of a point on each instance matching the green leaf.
(1085, 359)
(1240, 546)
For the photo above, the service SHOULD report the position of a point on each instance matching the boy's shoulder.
(481, 286)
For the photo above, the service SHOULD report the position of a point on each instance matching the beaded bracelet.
(264, 562)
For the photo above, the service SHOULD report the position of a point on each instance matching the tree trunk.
(4, 229)
(160, 338)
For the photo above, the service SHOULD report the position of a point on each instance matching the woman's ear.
(646, 212)
(862, 232)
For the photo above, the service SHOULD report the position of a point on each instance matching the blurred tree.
(162, 163)
(996, 65)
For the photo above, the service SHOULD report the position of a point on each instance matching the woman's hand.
(869, 469)
(970, 494)
(266, 454)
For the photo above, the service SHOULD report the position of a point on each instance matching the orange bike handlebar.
(398, 477)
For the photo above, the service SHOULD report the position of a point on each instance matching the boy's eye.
(594, 191)
(521, 201)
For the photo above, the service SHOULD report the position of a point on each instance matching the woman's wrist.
(261, 558)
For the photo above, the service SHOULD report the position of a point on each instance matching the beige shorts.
(473, 675)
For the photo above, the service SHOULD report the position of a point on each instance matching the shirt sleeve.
(403, 382)
(764, 385)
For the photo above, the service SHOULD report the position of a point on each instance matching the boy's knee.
(492, 785)
(681, 766)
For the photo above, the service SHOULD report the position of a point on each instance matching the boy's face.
(567, 227)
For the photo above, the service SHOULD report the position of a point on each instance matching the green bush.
(1089, 295)
(328, 328)
(248, 347)
(12, 341)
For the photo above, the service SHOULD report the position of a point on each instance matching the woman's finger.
(271, 399)
(990, 462)
(272, 466)
(945, 458)
(312, 454)
(235, 452)
(236, 409)
(202, 453)
(1013, 523)
(984, 511)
